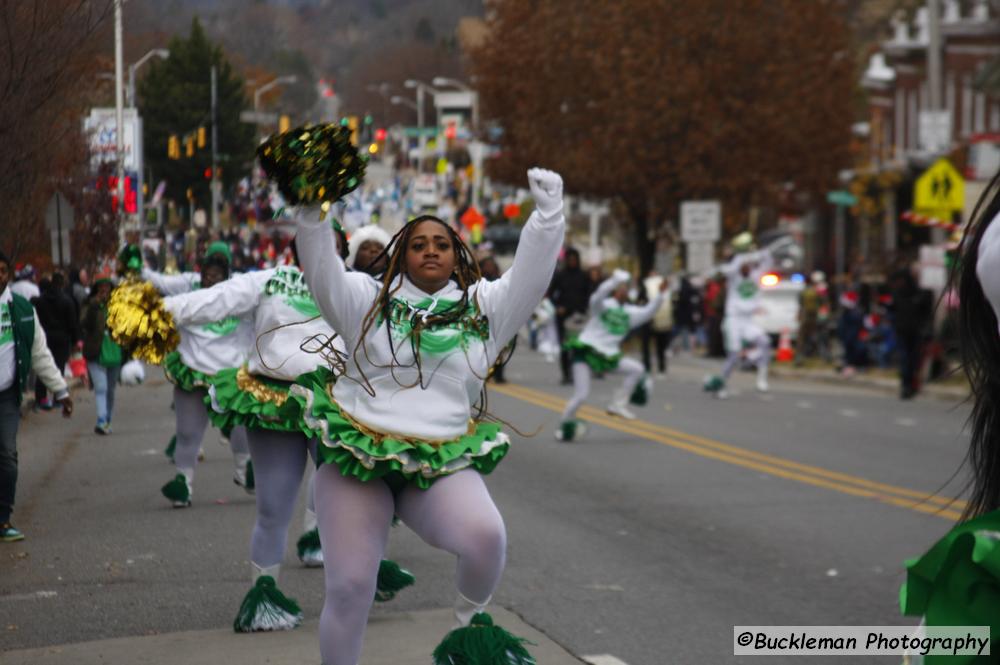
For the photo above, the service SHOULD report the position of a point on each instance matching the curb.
(947, 393)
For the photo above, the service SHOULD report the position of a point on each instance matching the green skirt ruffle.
(598, 362)
(183, 376)
(268, 404)
(359, 455)
(957, 582)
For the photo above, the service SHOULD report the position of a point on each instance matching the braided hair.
(980, 345)
(465, 274)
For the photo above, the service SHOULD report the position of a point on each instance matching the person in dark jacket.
(57, 314)
(570, 293)
(913, 316)
(687, 313)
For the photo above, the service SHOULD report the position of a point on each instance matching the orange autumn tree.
(657, 101)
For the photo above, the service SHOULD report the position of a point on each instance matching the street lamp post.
(281, 80)
(119, 117)
(159, 52)
(403, 101)
(421, 88)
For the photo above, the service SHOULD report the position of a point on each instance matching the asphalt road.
(647, 541)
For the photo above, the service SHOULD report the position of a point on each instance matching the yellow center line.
(775, 466)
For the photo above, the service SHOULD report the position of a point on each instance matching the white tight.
(763, 344)
(279, 459)
(455, 514)
(192, 421)
(632, 369)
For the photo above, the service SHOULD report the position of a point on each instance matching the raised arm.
(606, 288)
(343, 297)
(171, 285)
(640, 314)
(509, 301)
(235, 296)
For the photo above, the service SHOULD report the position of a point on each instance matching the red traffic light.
(451, 131)
(380, 134)
(208, 173)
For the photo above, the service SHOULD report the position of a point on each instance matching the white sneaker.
(762, 385)
(722, 393)
(618, 409)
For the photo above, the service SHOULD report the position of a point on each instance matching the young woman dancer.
(957, 582)
(599, 349)
(204, 351)
(400, 431)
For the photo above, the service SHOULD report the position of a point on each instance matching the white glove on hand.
(547, 190)
(621, 276)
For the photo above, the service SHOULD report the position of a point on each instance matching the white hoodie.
(743, 293)
(610, 321)
(284, 315)
(453, 378)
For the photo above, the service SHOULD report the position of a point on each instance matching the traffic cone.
(785, 352)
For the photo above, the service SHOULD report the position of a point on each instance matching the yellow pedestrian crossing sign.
(940, 190)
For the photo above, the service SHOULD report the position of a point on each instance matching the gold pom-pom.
(138, 322)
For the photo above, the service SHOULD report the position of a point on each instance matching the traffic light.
(208, 173)
(284, 124)
(173, 147)
(380, 134)
(352, 124)
(201, 137)
(190, 194)
(189, 146)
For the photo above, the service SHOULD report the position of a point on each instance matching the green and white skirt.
(598, 362)
(237, 397)
(182, 376)
(367, 455)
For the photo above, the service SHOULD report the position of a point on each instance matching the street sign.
(58, 213)
(841, 197)
(940, 190)
(259, 117)
(701, 221)
(934, 131)
(700, 257)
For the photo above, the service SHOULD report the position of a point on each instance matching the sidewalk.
(398, 639)
(873, 379)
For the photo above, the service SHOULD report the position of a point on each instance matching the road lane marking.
(31, 596)
(769, 464)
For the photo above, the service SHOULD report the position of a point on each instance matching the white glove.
(547, 190)
(621, 276)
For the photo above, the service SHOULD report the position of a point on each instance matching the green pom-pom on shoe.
(482, 643)
(392, 578)
(177, 490)
(713, 384)
(266, 608)
(640, 396)
(309, 548)
(169, 452)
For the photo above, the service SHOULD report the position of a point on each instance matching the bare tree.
(48, 63)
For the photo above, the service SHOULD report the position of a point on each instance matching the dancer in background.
(599, 349)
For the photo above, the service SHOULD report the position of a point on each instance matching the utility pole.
(119, 117)
(216, 183)
(934, 55)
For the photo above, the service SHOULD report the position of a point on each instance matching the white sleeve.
(602, 293)
(171, 285)
(44, 365)
(235, 296)
(509, 301)
(640, 314)
(343, 297)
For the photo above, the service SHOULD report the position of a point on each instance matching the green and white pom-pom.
(310, 551)
(482, 643)
(177, 489)
(640, 396)
(568, 429)
(714, 384)
(392, 578)
(169, 452)
(266, 608)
